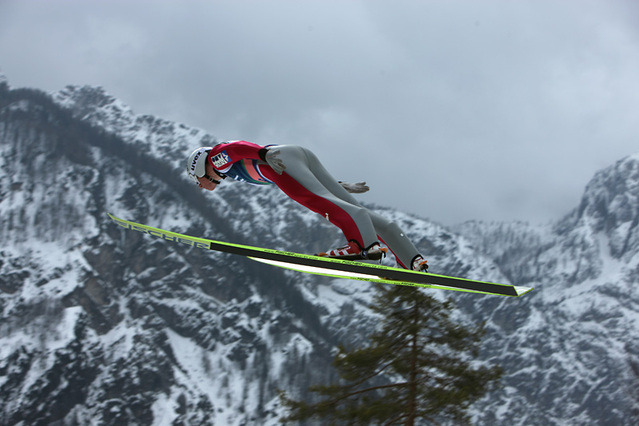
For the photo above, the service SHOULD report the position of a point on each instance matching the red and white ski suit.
(306, 181)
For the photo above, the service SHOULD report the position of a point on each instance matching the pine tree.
(420, 365)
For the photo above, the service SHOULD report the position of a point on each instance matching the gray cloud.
(451, 110)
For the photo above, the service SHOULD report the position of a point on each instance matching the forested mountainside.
(116, 327)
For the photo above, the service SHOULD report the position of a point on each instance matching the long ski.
(332, 267)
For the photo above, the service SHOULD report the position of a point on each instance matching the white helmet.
(196, 163)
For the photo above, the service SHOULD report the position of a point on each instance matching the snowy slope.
(106, 327)
(576, 337)
(115, 327)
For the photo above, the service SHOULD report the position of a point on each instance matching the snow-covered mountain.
(576, 339)
(101, 326)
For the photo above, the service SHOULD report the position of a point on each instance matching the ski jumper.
(306, 181)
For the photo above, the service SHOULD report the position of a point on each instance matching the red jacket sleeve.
(223, 156)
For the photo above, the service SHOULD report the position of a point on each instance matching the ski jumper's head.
(196, 163)
(196, 169)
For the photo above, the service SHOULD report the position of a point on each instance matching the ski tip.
(522, 290)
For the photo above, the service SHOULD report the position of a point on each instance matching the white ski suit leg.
(323, 194)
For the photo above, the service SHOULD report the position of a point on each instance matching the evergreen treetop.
(420, 365)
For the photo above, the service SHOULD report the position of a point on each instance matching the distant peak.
(89, 100)
(82, 96)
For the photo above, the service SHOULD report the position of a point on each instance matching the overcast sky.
(454, 110)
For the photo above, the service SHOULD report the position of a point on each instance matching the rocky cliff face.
(116, 327)
(573, 344)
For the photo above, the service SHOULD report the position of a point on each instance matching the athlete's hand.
(355, 188)
(273, 160)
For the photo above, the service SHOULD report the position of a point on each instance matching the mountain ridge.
(99, 324)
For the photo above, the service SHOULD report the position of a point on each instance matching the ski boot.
(353, 251)
(420, 264)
